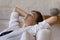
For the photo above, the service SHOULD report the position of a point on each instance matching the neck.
(25, 25)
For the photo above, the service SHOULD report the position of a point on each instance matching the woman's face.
(31, 18)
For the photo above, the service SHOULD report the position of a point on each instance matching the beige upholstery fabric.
(44, 34)
(27, 36)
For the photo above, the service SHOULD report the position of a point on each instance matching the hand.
(14, 9)
(20, 11)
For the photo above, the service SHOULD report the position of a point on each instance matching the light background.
(43, 6)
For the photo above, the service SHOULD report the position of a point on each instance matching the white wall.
(43, 6)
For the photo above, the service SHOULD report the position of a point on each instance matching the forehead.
(29, 15)
(34, 13)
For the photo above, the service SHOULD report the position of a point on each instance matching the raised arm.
(20, 11)
(51, 20)
(54, 13)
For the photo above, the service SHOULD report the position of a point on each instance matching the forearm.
(20, 11)
(54, 13)
(14, 21)
(51, 20)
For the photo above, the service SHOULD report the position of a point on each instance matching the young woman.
(33, 22)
